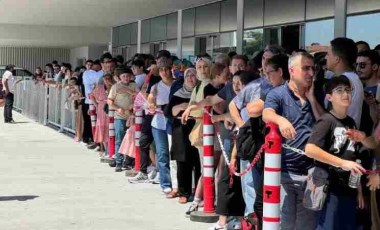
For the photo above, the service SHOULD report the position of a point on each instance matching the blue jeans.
(163, 161)
(338, 213)
(120, 129)
(293, 214)
(249, 183)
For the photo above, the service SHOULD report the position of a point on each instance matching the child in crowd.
(334, 145)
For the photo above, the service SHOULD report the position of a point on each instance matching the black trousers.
(145, 141)
(230, 200)
(9, 98)
(87, 128)
(185, 172)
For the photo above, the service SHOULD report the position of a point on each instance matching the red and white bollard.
(111, 133)
(272, 179)
(138, 124)
(208, 163)
(92, 112)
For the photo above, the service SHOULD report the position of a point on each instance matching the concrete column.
(110, 43)
(179, 34)
(240, 26)
(139, 36)
(340, 12)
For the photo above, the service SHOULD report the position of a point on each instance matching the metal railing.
(46, 104)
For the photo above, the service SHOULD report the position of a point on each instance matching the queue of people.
(325, 103)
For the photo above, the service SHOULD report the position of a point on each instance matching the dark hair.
(120, 59)
(54, 62)
(377, 47)
(346, 49)
(240, 57)
(124, 70)
(104, 56)
(334, 82)
(58, 66)
(231, 54)
(9, 67)
(90, 61)
(66, 65)
(372, 55)
(97, 62)
(49, 65)
(246, 76)
(77, 69)
(138, 63)
(74, 80)
(163, 53)
(280, 61)
(363, 43)
(217, 69)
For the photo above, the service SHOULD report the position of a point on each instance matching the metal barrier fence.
(46, 104)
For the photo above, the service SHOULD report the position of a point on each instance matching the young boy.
(333, 144)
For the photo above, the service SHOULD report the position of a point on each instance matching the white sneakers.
(139, 178)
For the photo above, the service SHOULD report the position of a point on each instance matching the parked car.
(19, 72)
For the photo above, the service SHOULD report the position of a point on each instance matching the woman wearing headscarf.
(182, 151)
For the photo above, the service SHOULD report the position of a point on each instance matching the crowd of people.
(325, 102)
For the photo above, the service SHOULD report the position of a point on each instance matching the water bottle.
(354, 180)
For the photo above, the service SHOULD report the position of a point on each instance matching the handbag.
(196, 135)
(316, 189)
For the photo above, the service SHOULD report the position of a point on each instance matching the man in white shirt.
(340, 58)
(8, 82)
(138, 72)
(90, 80)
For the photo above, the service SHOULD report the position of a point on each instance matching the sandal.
(172, 194)
(182, 200)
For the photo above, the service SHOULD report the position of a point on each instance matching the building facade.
(246, 26)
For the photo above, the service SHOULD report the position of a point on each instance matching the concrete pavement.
(47, 181)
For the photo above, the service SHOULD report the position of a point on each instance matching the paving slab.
(49, 182)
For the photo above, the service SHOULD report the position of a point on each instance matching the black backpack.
(250, 138)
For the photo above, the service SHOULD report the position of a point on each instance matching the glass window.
(321, 32)
(134, 33)
(228, 15)
(188, 20)
(171, 28)
(158, 28)
(227, 43)
(278, 12)
(319, 9)
(207, 19)
(253, 13)
(171, 46)
(355, 6)
(115, 36)
(253, 41)
(145, 31)
(188, 46)
(124, 35)
(145, 48)
(363, 27)
(132, 50)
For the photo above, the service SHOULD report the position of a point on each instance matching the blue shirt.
(90, 80)
(285, 103)
(252, 92)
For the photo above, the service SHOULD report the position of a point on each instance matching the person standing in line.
(9, 82)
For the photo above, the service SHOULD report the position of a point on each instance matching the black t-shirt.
(210, 90)
(329, 134)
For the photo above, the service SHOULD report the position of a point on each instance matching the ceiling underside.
(103, 13)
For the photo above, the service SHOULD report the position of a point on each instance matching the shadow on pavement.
(18, 198)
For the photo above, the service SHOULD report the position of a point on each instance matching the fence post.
(272, 179)
(46, 103)
(208, 215)
(138, 124)
(63, 110)
(92, 112)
